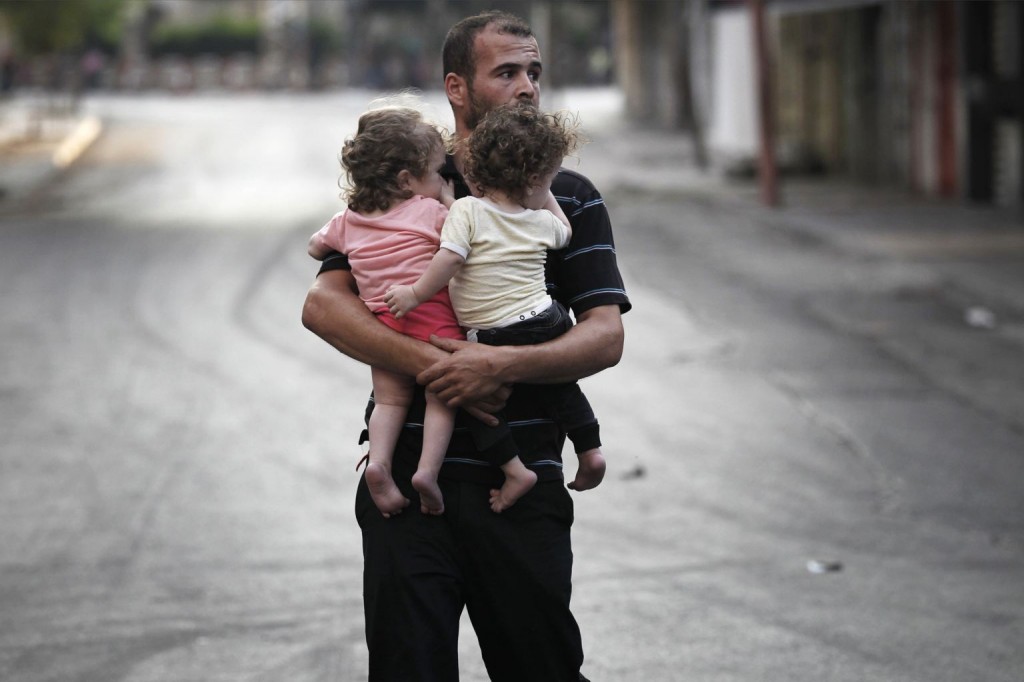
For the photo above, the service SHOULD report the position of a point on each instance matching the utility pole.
(767, 171)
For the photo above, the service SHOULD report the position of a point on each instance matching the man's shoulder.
(571, 183)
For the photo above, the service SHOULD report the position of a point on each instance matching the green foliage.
(222, 35)
(325, 38)
(49, 26)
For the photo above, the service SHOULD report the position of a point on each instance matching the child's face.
(430, 184)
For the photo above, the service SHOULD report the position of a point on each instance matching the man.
(511, 571)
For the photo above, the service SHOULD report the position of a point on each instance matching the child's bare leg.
(518, 481)
(438, 423)
(392, 394)
(590, 472)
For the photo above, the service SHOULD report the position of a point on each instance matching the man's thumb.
(450, 345)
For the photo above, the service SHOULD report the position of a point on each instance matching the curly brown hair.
(387, 141)
(515, 144)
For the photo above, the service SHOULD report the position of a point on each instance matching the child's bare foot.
(518, 482)
(431, 498)
(590, 472)
(385, 494)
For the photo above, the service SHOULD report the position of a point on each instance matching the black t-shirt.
(581, 276)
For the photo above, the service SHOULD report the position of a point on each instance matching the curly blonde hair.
(516, 143)
(387, 141)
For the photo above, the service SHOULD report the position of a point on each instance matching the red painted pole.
(767, 171)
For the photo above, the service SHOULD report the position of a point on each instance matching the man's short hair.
(458, 56)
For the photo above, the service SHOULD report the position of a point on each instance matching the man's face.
(508, 69)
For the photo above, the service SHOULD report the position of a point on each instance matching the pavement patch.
(77, 142)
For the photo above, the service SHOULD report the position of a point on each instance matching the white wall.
(732, 126)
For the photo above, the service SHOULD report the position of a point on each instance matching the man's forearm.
(474, 370)
(592, 345)
(333, 312)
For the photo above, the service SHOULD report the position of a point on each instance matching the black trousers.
(512, 571)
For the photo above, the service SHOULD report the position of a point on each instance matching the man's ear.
(456, 90)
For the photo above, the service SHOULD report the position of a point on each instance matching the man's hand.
(469, 375)
(485, 408)
(401, 300)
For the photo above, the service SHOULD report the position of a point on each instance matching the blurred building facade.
(187, 45)
(925, 95)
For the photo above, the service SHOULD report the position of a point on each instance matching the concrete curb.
(77, 142)
(25, 169)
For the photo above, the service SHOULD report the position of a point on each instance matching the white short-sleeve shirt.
(503, 276)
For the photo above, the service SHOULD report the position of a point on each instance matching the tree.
(52, 27)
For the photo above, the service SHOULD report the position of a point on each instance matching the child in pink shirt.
(397, 203)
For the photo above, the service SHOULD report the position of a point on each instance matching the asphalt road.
(177, 454)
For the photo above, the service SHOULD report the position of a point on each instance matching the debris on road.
(980, 317)
(638, 471)
(819, 566)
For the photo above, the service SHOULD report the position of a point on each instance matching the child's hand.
(401, 300)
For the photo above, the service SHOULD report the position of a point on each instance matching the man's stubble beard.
(476, 112)
(478, 108)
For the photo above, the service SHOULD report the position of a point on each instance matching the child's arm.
(334, 312)
(403, 299)
(552, 205)
(317, 248)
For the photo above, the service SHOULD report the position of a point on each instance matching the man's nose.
(526, 87)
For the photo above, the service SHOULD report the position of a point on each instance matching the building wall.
(896, 76)
(732, 114)
(1008, 67)
(809, 78)
(925, 95)
(649, 56)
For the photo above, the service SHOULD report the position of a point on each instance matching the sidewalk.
(936, 286)
(861, 220)
(37, 142)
